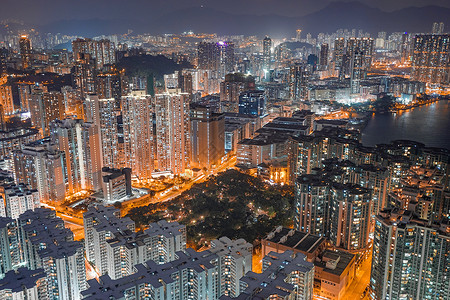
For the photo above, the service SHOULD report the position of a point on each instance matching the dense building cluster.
(136, 119)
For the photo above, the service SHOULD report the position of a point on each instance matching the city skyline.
(251, 156)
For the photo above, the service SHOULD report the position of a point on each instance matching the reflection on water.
(429, 124)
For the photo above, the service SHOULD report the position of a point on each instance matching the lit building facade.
(172, 132)
(410, 257)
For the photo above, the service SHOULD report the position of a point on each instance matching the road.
(167, 196)
(75, 223)
(361, 281)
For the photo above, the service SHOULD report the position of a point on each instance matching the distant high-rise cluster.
(431, 58)
(218, 57)
(102, 51)
(438, 28)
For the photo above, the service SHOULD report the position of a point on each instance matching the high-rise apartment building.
(350, 216)
(24, 90)
(41, 165)
(109, 85)
(115, 248)
(284, 276)
(3, 58)
(39, 241)
(226, 58)
(46, 107)
(267, 53)
(6, 97)
(85, 75)
(410, 257)
(172, 132)
(338, 54)
(10, 257)
(431, 58)
(79, 142)
(102, 113)
(235, 260)
(208, 56)
(47, 244)
(298, 83)
(217, 57)
(312, 205)
(17, 199)
(139, 147)
(25, 51)
(193, 275)
(207, 134)
(323, 57)
(364, 45)
(357, 71)
(24, 283)
(103, 51)
(233, 85)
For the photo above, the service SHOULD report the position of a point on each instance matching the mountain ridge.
(336, 15)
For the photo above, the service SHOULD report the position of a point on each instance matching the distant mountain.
(334, 16)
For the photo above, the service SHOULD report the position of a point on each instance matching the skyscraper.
(338, 54)
(323, 58)
(350, 216)
(357, 71)
(24, 283)
(84, 74)
(431, 59)
(138, 134)
(267, 52)
(217, 57)
(102, 113)
(298, 83)
(79, 142)
(6, 96)
(207, 137)
(46, 107)
(405, 47)
(17, 199)
(298, 36)
(208, 56)
(363, 45)
(253, 103)
(312, 205)
(226, 54)
(40, 165)
(103, 51)
(115, 248)
(410, 257)
(172, 132)
(25, 51)
(235, 260)
(47, 244)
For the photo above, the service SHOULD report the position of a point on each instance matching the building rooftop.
(166, 229)
(298, 240)
(42, 227)
(21, 279)
(271, 281)
(150, 273)
(237, 248)
(334, 261)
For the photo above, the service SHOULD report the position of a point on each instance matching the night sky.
(45, 11)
